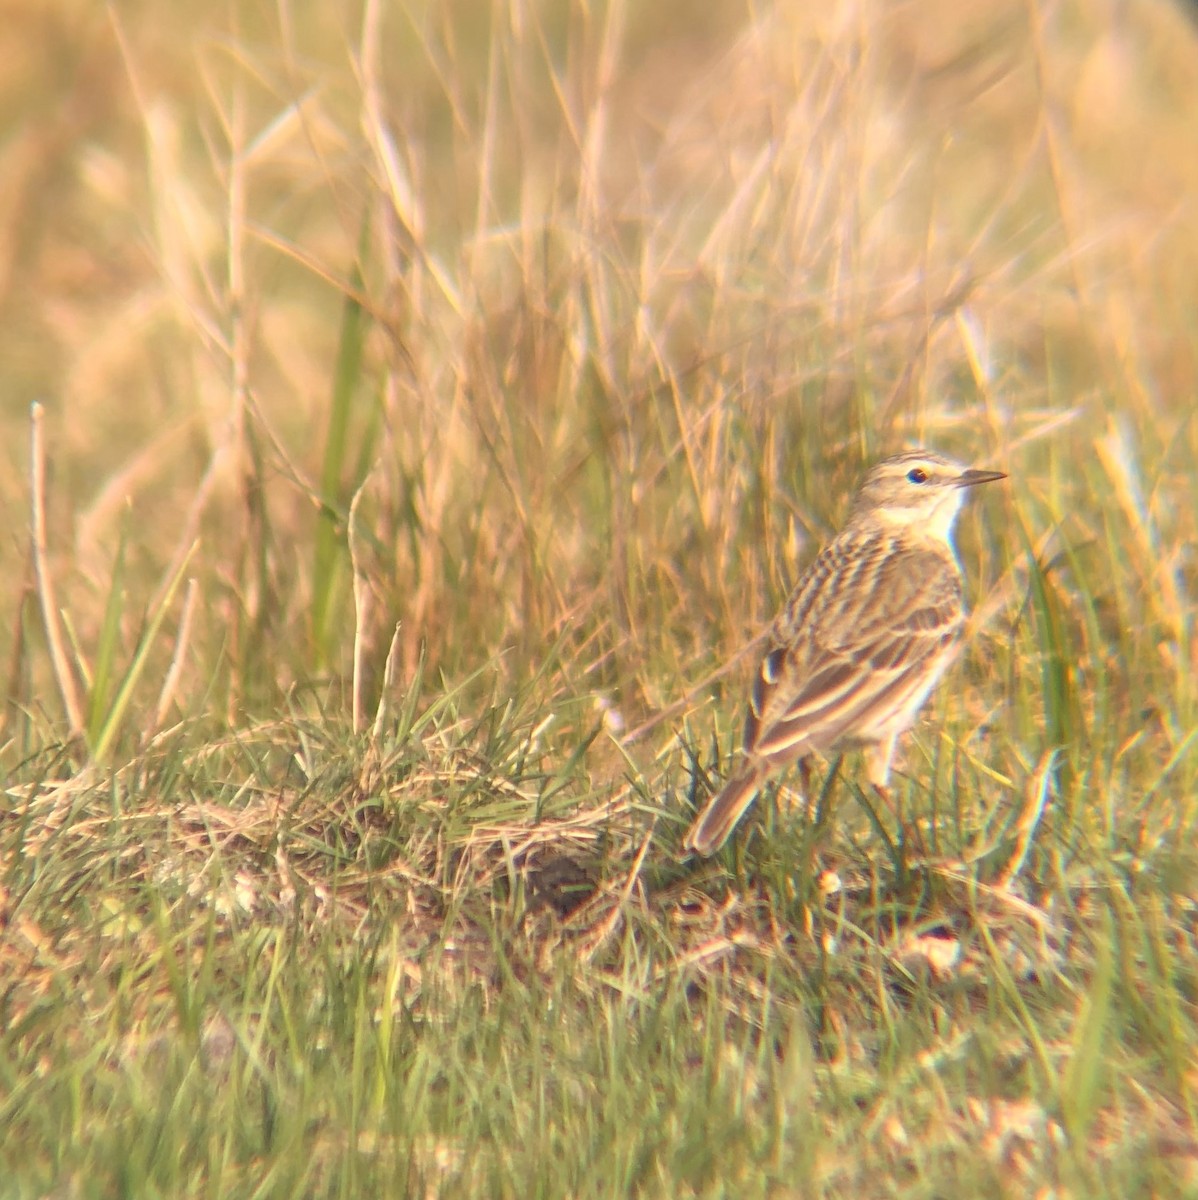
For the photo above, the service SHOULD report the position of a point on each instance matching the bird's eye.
(917, 475)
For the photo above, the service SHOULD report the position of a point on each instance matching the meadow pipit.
(864, 638)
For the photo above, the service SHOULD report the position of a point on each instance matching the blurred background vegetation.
(600, 310)
(554, 335)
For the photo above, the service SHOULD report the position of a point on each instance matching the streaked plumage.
(864, 638)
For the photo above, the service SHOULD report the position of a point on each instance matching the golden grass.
(620, 328)
(500, 365)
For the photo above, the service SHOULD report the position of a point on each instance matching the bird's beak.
(972, 477)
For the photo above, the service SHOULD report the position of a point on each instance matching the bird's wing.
(862, 637)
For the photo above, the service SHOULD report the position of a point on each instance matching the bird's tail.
(713, 825)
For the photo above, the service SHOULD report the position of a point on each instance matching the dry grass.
(436, 399)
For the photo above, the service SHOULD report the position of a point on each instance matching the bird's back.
(868, 621)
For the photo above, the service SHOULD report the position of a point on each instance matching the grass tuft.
(489, 374)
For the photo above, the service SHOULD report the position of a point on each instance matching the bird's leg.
(804, 765)
(878, 774)
(789, 799)
(877, 765)
(817, 806)
(814, 805)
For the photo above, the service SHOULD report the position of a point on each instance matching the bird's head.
(919, 490)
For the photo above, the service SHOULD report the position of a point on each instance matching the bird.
(867, 633)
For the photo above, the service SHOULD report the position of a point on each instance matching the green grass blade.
(1062, 723)
(97, 709)
(330, 548)
(111, 724)
(1083, 1078)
